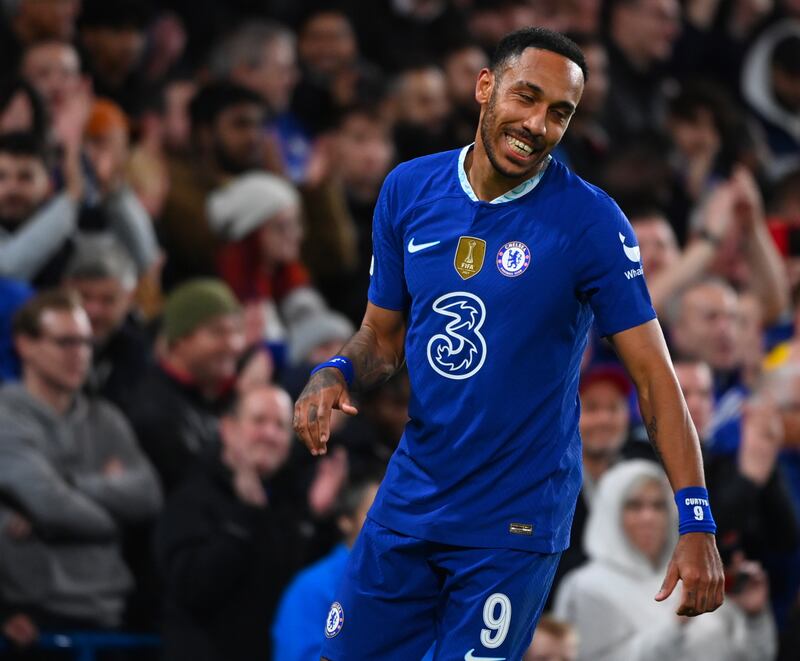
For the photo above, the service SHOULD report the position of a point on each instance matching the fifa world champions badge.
(513, 259)
(335, 621)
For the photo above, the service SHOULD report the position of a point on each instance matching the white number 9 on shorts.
(497, 618)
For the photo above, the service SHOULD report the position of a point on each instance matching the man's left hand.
(697, 564)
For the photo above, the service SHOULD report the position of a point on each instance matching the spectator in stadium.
(30, 21)
(461, 67)
(262, 56)
(334, 76)
(338, 253)
(629, 537)
(604, 425)
(669, 269)
(553, 640)
(228, 542)
(226, 140)
(104, 276)
(177, 405)
(421, 110)
(106, 148)
(257, 219)
(21, 109)
(35, 223)
(297, 633)
(113, 39)
(771, 87)
(641, 35)
(72, 477)
(586, 144)
(752, 506)
(53, 68)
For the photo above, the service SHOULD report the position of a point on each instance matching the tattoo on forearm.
(652, 434)
(370, 366)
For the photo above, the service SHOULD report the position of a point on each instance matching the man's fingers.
(301, 426)
(324, 421)
(345, 405)
(670, 581)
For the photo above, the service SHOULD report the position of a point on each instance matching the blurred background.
(186, 197)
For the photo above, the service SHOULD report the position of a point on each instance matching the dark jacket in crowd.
(174, 422)
(225, 565)
(120, 364)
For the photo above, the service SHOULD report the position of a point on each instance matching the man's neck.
(487, 183)
(56, 398)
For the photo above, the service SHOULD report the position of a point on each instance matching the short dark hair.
(28, 319)
(210, 101)
(23, 143)
(513, 45)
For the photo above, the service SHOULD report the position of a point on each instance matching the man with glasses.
(71, 475)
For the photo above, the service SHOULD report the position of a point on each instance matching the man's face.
(596, 89)
(275, 75)
(657, 242)
(708, 327)
(211, 351)
(327, 43)
(696, 136)
(49, 19)
(107, 302)
(462, 69)
(238, 138)
(423, 98)
(364, 151)
(652, 27)
(264, 429)
(24, 186)
(176, 123)
(62, 353)
(114, 52)
(604, 419)
(54, 70)
(697, 385)
(526, 109)
(547, 647)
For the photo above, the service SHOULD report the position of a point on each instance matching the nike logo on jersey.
(631, 253)
(469, 656)
(412, 248)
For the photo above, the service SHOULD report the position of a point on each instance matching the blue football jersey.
(499, 297)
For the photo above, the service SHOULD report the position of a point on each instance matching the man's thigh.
(491, 601)
(385, 606)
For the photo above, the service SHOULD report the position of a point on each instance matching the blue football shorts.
(399, 595)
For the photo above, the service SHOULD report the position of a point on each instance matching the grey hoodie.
(611, 602)
(51, 472)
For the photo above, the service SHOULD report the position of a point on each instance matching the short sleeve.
(610, 275)
(387, 286)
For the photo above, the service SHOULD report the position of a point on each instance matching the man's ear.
(23, 344)
(484, 86)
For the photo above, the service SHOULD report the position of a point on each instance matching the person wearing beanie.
(177, 406)
(257, 218)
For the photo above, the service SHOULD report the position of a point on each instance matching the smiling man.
(490, 264)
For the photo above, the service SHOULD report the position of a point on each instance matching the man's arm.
(695, 559)
(376, 352)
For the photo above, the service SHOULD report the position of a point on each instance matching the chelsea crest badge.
(513, 259)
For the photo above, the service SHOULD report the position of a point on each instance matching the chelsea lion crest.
(335, 621)
(513, 259)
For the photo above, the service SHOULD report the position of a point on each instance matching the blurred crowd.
(186, 197)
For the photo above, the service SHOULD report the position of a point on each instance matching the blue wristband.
(694, 512)
(341, 363)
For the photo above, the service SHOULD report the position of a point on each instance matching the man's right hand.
(325, 390)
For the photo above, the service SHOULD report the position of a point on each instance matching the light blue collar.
(518, 191)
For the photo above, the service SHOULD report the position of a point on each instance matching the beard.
(232, 163)
(488, 127)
